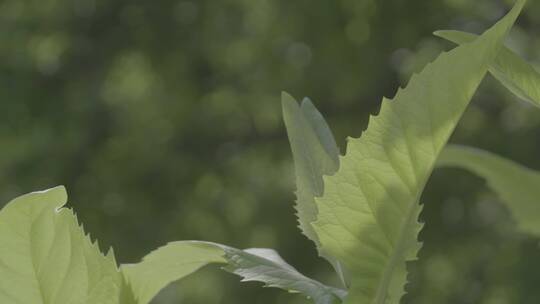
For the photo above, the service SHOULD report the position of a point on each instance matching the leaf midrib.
(382, 289)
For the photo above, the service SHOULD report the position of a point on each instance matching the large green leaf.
(179, 259)
(518, 186)
(45, 257)
(315, 154)
(509, 68)
(369, 210)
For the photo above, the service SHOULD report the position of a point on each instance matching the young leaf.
(368, 213)
(167, 264)
(509, 68)
(178, 259)
(315, 154)
(45, 257)
(267, 266)
(517, 186)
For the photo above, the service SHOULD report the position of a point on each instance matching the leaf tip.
(438, 33)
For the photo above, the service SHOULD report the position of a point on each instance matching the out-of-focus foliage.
(163, 118)
(516, 184)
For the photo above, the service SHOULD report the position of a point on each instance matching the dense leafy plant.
(361, 210)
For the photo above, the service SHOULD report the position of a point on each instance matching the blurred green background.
(163, 120)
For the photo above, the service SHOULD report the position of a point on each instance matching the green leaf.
(516, 185)
(369, 210)
(45, 257)
(267, 266)
(315, 154)
(168, 264)
(509, 68)
(179, 259)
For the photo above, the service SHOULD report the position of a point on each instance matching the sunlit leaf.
(509, 68)
(179, 259)
(45, 257)
(368, 214)
(168, 264)
(267, 266)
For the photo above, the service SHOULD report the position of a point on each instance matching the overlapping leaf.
(368, 213)
(179, 259)
(509, 68)
(267, 266)
(167, 264)
(315, 154)
(517, 186)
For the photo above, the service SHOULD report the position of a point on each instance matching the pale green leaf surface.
(516, 185)
(267, 266)
(45, 257)
(315, 154)
(168, 264)
(179, 259)
(368, 214)
(510, 69)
